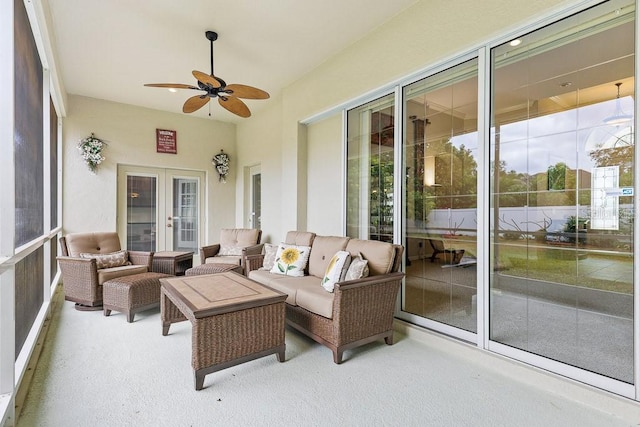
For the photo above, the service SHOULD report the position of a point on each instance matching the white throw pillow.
(269, 256)
(358, 268)
(113, 259)
(291, 260)
(336, 270)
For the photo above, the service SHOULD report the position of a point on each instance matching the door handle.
(169, 225)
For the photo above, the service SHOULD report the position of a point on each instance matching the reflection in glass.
(141, 213)
(370, 167)
(185, 214)
(561, 282)
(440, 150)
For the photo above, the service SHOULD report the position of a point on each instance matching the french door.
(160, 209)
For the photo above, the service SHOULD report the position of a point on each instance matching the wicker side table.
(171, 262)
(234, 319)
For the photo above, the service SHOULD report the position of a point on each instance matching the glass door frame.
(251, 222)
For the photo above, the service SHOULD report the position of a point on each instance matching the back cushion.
(232, 240)
(95, 243)
(380, 255)
(300, 238)
(322, 250)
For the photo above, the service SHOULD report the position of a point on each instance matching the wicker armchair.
(235, 245)
(82, 279)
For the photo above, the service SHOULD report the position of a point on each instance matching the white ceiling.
(109, 49)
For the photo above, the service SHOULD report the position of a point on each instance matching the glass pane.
(141, 213)
(185, 214)
(562, 156)
(256, 188)
(370, 165)
(440, 151)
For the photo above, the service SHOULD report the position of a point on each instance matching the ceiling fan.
(228, 95)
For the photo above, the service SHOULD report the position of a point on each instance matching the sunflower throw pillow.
(291, 260)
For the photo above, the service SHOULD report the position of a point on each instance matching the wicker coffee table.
(234, 319)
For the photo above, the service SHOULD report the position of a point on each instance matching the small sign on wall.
(166, 141)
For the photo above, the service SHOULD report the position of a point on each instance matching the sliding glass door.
(562, 194)
(440, 198)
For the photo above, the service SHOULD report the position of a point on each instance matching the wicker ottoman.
(212, 269)
(132, 294)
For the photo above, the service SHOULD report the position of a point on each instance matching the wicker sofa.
(357, 311)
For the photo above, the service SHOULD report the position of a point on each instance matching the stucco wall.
(90, 202)
(418, 38)
(325, 185)
(261, 145)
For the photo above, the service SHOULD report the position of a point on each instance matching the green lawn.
(552, 266)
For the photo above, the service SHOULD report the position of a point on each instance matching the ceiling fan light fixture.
(619, 116)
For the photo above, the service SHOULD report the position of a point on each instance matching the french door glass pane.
(440, 151)
(256, 200)
(141, 212)
(562, 156)
(185, 214)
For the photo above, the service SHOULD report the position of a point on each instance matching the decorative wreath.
(91, 150)
(221, 162)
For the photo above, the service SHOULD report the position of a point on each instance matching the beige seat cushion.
(228, 259)
(288, 285)
(233, 240)
(95, 243)
(300, 238)
(105, 274)
(279, 282)
(380, 255)
(322, 250)
(313, 297)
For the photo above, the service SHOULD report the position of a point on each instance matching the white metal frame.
(164, 201)
(12, 370)
(7, 214)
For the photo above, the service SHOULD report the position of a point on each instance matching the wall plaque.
(166, 141)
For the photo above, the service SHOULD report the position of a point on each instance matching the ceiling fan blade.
(247, 92)
(194, 103)
(206, 78)
(234, 105)
(172, 85)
